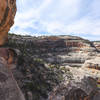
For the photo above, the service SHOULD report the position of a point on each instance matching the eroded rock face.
(63, 54)
(63, 50)
(83, 86)
(97, 45)
(93, 63)
(79, 94)
(9, 89)
(7, 14)
(76, 94)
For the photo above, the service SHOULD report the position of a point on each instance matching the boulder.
(92, 63)
(7, 14)
(97, 45)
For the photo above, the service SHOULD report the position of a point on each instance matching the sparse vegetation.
(38, 78)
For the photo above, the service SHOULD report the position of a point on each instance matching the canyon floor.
(57, 67)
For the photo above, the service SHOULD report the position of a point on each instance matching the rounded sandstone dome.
(7, 14)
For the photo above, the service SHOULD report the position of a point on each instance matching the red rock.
(7, 14)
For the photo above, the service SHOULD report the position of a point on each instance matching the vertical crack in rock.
(7, 14)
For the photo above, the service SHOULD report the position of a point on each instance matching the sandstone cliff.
(50, 68)
(7, 14)
(9, 89)
(55, 68)
(62, 50)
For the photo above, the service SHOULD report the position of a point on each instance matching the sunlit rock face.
(97, 45)
(7, 14)
(68, 65)
(63, 50)
(9, 89)
(93, 63)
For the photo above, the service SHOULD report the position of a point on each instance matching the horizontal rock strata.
(63, 50)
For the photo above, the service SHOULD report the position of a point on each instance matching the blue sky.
(58, 17)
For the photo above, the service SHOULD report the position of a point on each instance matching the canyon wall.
(7, 14)
(58, 67)
(9, 89)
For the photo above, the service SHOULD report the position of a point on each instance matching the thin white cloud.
(80, 17)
